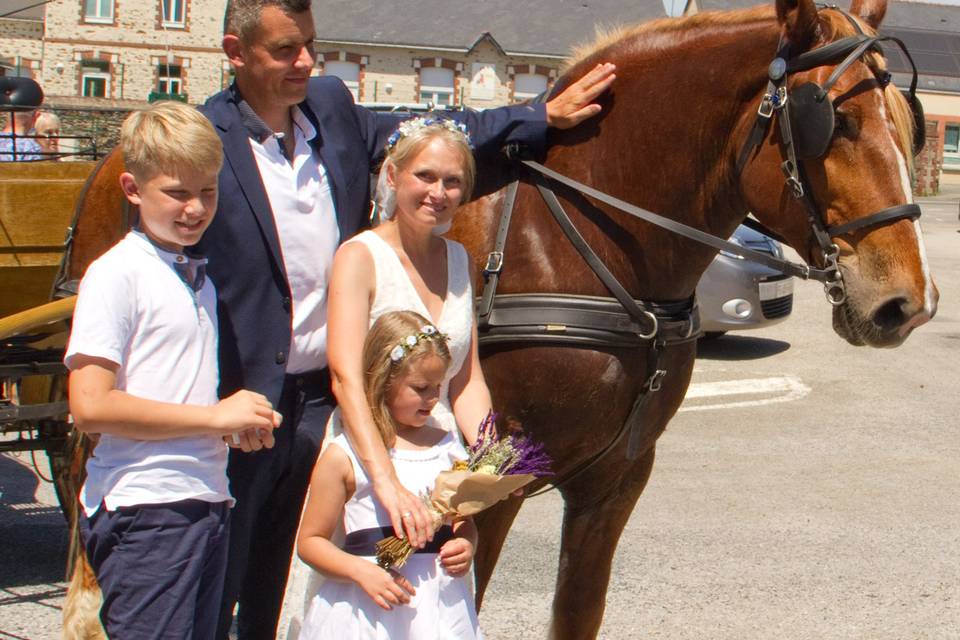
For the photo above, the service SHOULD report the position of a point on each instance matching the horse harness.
(623, 322)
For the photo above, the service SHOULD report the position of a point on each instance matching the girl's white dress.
(443, 607)
(395, 292)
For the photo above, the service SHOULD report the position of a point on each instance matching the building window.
(169, 79)
(349, 72)
(436, 86)
(528, 85)
(951, 145)
(98, 10)
(174, 13)
(15, 69)
(95, 79)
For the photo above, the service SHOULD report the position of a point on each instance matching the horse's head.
(851, 157)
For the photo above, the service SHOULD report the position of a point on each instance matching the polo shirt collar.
(181, 263)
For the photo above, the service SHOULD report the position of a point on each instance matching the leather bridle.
(816, 113)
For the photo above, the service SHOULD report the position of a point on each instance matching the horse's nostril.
(892, 315)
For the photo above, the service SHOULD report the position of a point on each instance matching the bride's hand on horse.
(408, 514)
(248, 418)
(575, 103)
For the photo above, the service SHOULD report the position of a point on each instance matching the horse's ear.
(798, 19)
(871, 11)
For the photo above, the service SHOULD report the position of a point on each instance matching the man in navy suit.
(295, 184)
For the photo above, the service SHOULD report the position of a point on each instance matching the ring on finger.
(406, 514)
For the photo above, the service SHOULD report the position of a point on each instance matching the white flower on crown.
(397, 353)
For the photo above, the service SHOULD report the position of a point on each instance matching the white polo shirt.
(303, 210)
(134, 310)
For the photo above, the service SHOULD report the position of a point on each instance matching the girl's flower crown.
(408, 127)
(405, 346)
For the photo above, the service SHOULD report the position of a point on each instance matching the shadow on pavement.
(736, 347)
(34, 535)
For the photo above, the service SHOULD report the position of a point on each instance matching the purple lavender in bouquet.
(509, 455)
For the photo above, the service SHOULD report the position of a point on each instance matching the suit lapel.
(332, 155)
(236, 150)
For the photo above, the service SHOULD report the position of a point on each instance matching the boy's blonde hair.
(171, 138)
(382, 369)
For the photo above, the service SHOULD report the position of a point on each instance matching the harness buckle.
(656, 380)
(834, 287)
(766, 107)
(494, 263)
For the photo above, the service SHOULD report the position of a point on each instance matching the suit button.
(281, 357)
(287, 304)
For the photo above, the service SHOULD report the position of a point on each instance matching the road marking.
(780, 389)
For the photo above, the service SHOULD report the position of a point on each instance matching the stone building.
(118, 54)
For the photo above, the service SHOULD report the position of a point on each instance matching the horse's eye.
(845, 126)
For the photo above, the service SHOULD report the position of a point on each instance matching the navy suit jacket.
(242, 244)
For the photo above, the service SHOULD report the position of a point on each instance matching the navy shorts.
(160, 567)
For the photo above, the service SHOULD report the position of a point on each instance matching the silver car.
(736, 294)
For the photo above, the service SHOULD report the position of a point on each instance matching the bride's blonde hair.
(388, 356)
(409, 140)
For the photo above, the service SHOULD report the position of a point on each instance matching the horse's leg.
(493, 525)
(592, 525)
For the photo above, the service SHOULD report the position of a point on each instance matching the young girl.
(404, 359)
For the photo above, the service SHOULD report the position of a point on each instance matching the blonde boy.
(143, 363)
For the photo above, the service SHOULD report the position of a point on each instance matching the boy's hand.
(456, 555)
(251, 440)
(386, 588)
(248, 418)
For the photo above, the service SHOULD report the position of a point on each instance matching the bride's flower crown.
(405, 346)
(409, 127)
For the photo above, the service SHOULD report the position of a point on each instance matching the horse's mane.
(833, 23)
(607, 37)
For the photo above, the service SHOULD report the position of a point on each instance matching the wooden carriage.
(41, 204)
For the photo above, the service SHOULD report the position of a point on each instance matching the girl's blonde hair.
(382, 367)
(412, 142)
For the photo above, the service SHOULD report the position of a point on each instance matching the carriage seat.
(19, 94)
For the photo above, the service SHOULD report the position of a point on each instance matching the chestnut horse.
(672, 130)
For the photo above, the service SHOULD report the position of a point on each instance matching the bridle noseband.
(806, 119)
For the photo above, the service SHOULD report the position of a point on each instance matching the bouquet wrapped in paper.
(494, 469)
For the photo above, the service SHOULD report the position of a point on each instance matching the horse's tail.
(81, 608)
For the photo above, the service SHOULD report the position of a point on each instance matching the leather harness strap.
(491, 272)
